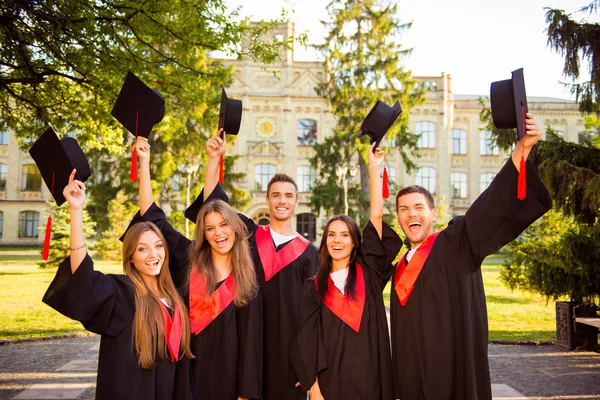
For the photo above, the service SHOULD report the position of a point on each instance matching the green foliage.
(363, 64)
(120, 213)
(61, 233)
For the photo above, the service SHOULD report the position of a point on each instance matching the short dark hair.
(416, 189)
(280, 177)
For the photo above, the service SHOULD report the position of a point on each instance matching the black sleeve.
(497, 216)
(377, 254)
(250, 338)
(104, 304)
(310, 267)
(308, 352)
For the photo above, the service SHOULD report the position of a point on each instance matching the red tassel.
(522, 186)
(386, 189)
(133, 172)
(221, 169)
(46, 248)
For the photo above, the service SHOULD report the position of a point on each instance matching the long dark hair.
(325, 263)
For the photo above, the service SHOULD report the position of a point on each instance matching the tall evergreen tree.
(363, 64)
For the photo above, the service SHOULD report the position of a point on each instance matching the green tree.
(120, 213)
(363, 64)
(61, 232)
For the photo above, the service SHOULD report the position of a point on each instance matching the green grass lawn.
(512, 315)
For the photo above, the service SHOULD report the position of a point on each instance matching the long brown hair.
(242, 266)
(325, 264)
(148, 322)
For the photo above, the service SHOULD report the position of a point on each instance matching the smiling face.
(339, 241)
(415, 217)
(282, 200)
(219, 235)
(149, 255)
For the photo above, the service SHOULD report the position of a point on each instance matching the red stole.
(204, 309)
(405, 278)
(274, 261)
(172, 329)
(345, 308)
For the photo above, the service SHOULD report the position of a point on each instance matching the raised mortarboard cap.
(509, 103)
(379, 120)
(230, 114)
(56, 158)
(138, 107)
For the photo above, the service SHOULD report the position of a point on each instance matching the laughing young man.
(438, 309)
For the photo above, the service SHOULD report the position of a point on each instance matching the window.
(426, 133)
(458, 180)
(485, 180)
(29, 222)
(3, 137)
(426, 178)
(262, 218)
(31, 179)
(2, 176)
(459, 141)
(391, 175)
(262, 175)
(305, 177)
(487, 146)
(305, 225)
(585, 138)
(1, 222)
(307, 132)
(560, 134)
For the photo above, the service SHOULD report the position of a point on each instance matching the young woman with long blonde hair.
(142, 318)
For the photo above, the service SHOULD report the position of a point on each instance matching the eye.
(208, 229)
(159, 246)
(330, 234)
(142, 249)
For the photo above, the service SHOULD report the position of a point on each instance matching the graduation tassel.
(133, 172)
(221, 169)
(48, 234)
(522, 182)
(385, 188)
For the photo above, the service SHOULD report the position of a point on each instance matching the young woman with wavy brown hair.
(142, 318)
(222, 292)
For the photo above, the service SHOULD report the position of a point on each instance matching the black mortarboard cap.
(56, 159)
(379, 120)
(509, 103)
(138, 104)
(193, 210)
(230, 114)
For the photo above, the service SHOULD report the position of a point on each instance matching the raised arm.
(215, 148)
(524, 145)
(146, 198)
(375, 193)
(74, 193)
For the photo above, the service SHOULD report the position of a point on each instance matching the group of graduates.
(244, 311)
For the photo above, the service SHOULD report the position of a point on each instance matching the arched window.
(458, 180)
(305, 225)
(485, 180)
(459, 141)
(426, 133)
(262, 175)
(426, 178)
(3, 170)
(31, 180)
(29, 221)
(305, 177)
(487, 146)
(307, 132)
(263, 218)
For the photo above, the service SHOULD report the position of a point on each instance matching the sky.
(475, 41)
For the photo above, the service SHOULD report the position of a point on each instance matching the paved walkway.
(66, 369)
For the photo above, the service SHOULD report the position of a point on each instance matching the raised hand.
(376, 158)
(216, 146)
(74, 192)
(533, 132)
(143, 149)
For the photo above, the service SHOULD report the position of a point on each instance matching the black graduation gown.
(350, 365)
(440, 338)
(228, 351)
(105, 304)
(281, 312)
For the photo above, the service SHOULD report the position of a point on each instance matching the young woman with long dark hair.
(145, 344)
(343, 348)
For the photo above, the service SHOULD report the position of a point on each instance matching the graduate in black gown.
(438, 308)
(141, 317)
(343, 348)
(283, 260)
(225, 308)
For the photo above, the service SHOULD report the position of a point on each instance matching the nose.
(413, 211)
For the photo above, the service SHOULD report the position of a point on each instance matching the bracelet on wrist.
(77, 248)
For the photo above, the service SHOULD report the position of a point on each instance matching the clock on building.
(265, 128)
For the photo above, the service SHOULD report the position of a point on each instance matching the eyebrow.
(146, 244)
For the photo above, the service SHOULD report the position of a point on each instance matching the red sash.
(274, 261)
(347, 309)
(172, 329)
(405, 278)
(204, 309)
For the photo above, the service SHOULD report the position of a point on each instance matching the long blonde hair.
(242, 266)
(148, 322)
